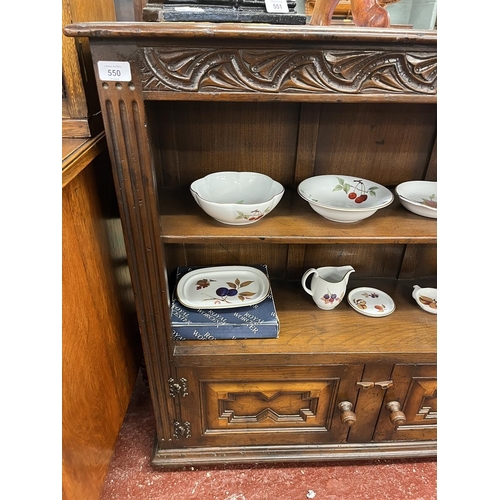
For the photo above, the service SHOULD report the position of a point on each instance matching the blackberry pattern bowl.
(237, 198)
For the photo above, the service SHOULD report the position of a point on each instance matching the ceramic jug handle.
(304, 277)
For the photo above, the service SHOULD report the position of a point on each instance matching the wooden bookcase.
(291, 102)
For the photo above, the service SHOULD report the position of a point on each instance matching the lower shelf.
(304, 453)
(343, 335)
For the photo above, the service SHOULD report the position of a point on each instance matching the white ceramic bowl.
(426, 298)
(419, 197)
(342, 198)
(237, 198)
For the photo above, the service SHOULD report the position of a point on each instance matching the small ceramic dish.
(426, 298)
(237, 198)
(419, 197)
(342, 198)
(222, 287)
(371, 302)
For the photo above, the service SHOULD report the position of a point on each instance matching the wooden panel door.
(268, 406)
(414, 391)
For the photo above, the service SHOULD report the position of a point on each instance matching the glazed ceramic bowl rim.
(348, 209)
(274, 186)
(405, 198)
(357, 291)
(417, 292)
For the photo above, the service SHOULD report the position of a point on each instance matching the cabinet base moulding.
(174, 458)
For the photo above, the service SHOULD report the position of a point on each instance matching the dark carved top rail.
(241, 30)
(249, 61)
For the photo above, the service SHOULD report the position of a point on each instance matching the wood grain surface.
(100, 341)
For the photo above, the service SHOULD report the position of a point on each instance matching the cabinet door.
(266, 406)
(414, 391)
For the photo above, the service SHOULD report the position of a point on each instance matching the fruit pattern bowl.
(426, 298)
(419, 197)
(342, 198)
(237, 198)
(371, 302)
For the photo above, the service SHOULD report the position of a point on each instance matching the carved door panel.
(409, 409)
(264, 406)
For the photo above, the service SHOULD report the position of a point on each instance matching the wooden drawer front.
(415, 387)
(269, 406)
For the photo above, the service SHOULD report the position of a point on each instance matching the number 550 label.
(114, 71)
(276, 6)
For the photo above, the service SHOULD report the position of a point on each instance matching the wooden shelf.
(339, 336)
(292, 221)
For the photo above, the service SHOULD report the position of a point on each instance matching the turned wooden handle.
(364, 13)
(347, 416)
(397, 416)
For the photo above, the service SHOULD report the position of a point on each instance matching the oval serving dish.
(222, 287)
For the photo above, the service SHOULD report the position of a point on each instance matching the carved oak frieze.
(288, 71)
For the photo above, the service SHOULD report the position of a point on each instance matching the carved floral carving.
(288, 71)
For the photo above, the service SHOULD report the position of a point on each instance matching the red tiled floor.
(131, 476)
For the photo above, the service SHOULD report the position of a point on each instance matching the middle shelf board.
(292, 221)
(309, 335)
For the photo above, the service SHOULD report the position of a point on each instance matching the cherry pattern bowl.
(342, 198)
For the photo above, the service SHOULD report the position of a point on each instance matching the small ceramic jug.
(328, 285)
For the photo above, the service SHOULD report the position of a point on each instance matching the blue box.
(258, 321)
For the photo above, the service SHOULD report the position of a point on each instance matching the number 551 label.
(276, 6)
(114, 71)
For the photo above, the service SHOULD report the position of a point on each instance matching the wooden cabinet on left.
(81, 112)
(100, 339)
